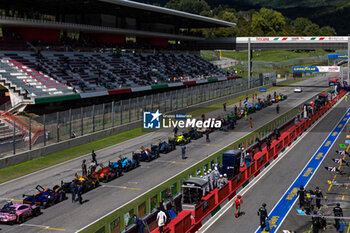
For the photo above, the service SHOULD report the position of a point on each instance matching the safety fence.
(145, 205)
(261, 160)
(60, 126)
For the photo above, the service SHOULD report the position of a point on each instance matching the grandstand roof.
(86, 11)
(210, 21)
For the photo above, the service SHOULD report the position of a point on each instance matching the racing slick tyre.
(36, 212)
(20, 219)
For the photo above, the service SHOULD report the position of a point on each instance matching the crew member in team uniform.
(319, 197)
(338, 212)
(262, 212)
(238, 203)
(301, 194)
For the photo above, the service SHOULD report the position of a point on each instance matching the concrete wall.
(49, 149)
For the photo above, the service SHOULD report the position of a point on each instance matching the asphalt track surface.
(333, 193)
(72, 216)
(273, 185)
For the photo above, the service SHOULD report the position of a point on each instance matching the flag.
(245, 102)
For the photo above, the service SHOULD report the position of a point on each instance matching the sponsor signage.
(337, 56)
(311, 69)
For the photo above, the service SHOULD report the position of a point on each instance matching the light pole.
(348, 60)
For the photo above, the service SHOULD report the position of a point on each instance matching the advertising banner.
(311, 69)
(337, 56)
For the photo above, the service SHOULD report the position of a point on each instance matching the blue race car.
(146, 154)
(46, 197)
(124, 164)
(165, 147)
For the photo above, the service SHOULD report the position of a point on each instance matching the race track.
(283, 173)
(71, 217)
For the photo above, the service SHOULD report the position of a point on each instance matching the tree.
(228, 16)
(173, 4)
(268, 22)
(194, 7)
(300, 24)
(327, 31)
(311, 30)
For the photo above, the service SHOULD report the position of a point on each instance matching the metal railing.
(56, 127)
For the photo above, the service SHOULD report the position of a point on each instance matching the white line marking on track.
(177, 174)
(32, 225)
(226, 207)
(301, 174)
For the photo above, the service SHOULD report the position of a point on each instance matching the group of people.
(77, 187)
(214, 179)
(92, 167)
(262, 213)
(305, 203)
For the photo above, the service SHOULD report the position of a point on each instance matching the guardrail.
(261, 160)
(144, 205)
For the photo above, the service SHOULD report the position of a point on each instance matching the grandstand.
(52, 51)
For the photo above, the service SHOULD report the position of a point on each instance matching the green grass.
(185, 174)
(267, 56)
(219, 105)
(271, 55)
(34, 165)
(22, 169)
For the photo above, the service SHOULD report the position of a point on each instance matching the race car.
(146, 154)
(194, 134)
(298, 90)
(106, 174)
(124, 164)
(88, 182)
(250, 109)
(17, 213)
(45, 197)
(164, 147)
(182, 139)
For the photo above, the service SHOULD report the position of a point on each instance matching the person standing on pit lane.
(225, 179)
(221, 182)
(216, 176)
(207, 189)
(183, 151)
(93, 157)
(84, 168)
(319, 197)
(301, 194)
(80, 193)
(338, 212)
(73, 189)
(238, 203)
(161, 219)
(262, 212)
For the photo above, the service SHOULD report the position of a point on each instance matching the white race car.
(298, 90)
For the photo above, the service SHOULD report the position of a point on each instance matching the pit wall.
(218, 198)
(144, 205)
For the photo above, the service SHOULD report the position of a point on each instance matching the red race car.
(105, 174)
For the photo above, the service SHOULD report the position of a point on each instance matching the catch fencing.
(56, 127)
